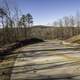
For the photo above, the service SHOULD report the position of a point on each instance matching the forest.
(16, 26)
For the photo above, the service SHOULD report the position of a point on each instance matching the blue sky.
(47, 11)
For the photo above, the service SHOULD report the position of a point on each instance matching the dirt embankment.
(75, 39)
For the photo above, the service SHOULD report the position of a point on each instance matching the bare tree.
(61, 31)
(66, 26)
(66, 21)
(72, 25)
(55, 24)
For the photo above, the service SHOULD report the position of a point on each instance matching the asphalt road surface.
(49, 60)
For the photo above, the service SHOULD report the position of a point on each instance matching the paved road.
(49, 60)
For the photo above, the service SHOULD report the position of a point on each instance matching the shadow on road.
(18, 44)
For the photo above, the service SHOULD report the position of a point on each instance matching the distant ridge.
(42, 26)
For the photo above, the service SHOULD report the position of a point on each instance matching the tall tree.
(23, 22)
(29, 20)
(29, 23)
